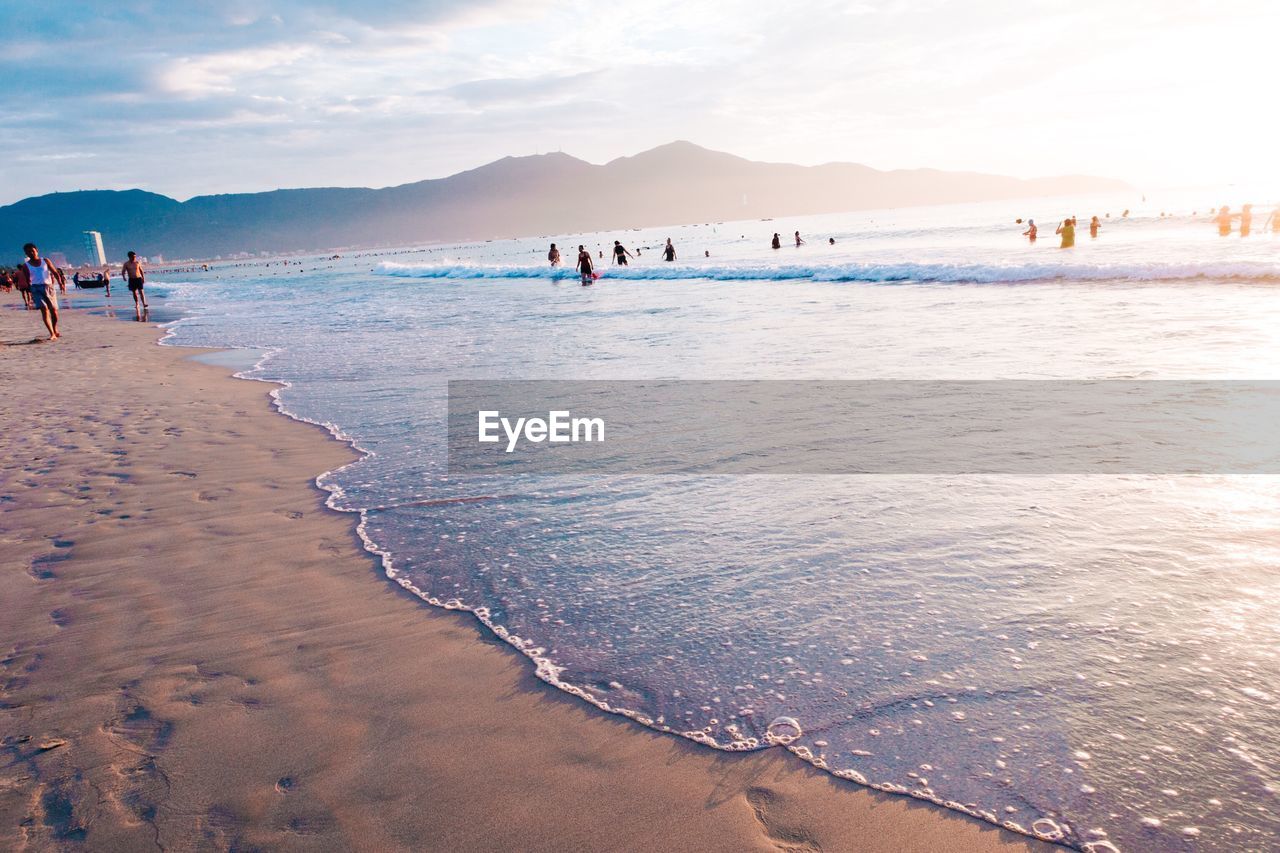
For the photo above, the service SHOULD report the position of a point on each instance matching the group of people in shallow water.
(776, 242)
(1224, 217)
(586, 266)
(40, 282)
(1066, 229)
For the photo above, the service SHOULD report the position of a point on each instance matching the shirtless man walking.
(39, 276)
(136, 276)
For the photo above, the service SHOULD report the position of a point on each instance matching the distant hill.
(546, 194)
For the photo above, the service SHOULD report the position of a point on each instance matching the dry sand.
(196, 654)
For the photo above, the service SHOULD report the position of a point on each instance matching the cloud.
(221, 72)
(531, 91)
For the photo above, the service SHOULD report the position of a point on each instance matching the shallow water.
(1087, 658)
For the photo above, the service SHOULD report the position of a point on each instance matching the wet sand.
(196, 654)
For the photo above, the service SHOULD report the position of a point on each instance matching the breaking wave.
(862, 272)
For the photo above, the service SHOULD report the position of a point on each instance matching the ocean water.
(1089, 659)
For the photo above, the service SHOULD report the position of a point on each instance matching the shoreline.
(196, 655)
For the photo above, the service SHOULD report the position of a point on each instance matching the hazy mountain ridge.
(542, 194)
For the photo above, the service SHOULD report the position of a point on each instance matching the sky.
(187, 97)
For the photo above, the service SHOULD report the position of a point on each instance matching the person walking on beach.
(777, 241)
(585, 266)
(137, 277)
(668, 251)
(24, 288)
(799, 242)
(554, 256)
(1031, 231)
(1068, 231)
(1094, 225)
(41, 280)
(620, 254)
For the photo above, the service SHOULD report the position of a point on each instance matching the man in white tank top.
(43, 281)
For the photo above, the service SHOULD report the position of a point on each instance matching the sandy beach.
(196, 654)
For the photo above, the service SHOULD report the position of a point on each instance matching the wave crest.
(862, 272)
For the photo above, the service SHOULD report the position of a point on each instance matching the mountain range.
(549, 194)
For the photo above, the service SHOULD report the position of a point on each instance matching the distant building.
(59, 260)
(93, 248)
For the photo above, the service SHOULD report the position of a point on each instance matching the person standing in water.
(585, 265)
(799, 242)
(1224, 221)
(1273, 221)
(40, 278)
(777, 241)
(1032, 232)
(554, 256)
(620, 254)
(1068, 231)
(136, 276)
(1094, 225)
(668, 251)
(1246, 220)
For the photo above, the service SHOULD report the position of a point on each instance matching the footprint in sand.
(145, 786)
(222, 826)
(768, 808)
(58, 813)
(41, 567)
(15, 666)
(136, 725)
